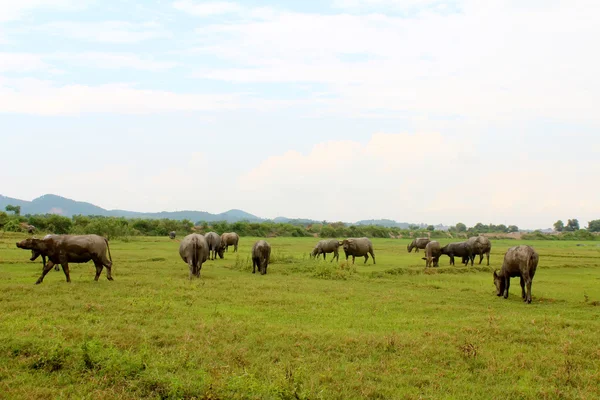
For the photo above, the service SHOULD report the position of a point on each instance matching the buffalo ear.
(423, 258)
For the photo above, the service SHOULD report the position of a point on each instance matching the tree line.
(119, 227)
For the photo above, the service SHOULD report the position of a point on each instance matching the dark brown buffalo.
(418, 243)
(194, 251)
(63, 249)
(433, 252)
(213, 240)
(261, 255)
(358, 247)
(172, 234)
(460, 249)
(518, 261)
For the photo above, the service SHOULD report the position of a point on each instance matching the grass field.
(306, 330)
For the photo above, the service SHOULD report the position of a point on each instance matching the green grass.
(314, 330)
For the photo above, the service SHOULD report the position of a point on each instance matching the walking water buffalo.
(518, 261)
(193, 249)
(172, 234)
(358, 247)
(261, 255)
(230, 239)
(418, 243)
(460, 249)
(327, 246)
(213, 240)
(481, 245)
(433, 251)
(63, 249)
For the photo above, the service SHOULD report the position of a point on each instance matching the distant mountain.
(52, 204)
(299, 221)
(388, 223)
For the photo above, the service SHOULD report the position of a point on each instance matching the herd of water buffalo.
(195, 249)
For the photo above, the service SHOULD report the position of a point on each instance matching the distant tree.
(413, 227)
(594, 226)
(501, 228)
(430, 228)
(572, 225)
(460, 227)
(3, 218)
(15, 209)
(513, 228)
(559, 226)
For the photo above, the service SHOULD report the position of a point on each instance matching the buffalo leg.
(65, 268)
(488, 258)
(192, 272)
(366, 258)
(480, 258)
(109, 271)
(472, 257)
(529, 290)
(99, 268)
(353, 258)
(235, 248)
(451, 260)
(507, 284)
(46, 269)
(523, 296)
(324, 256)
(373, 255)
(254, 266)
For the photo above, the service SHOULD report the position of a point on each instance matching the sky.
(434, 111)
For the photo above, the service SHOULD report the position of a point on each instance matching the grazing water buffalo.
(460, 249)
(418, 243)
(433, 251)
(358, 247)
(230, 239)
(63, 249)
(35, 254)
(518, 261)
(481, 245)
(214, 245)
(327, 246)
(172, 234)
(261, 254)
(193, 249)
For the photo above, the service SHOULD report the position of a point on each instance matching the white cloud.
(34, 96)
(22, 62)
(29, 96)
(489, 62)
(354, 5)
(15, 9)
(27, 62)
(116, 32)
(417, 178)
(113, 61)
(205, 9)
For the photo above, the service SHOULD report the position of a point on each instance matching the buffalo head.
(499, 283)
